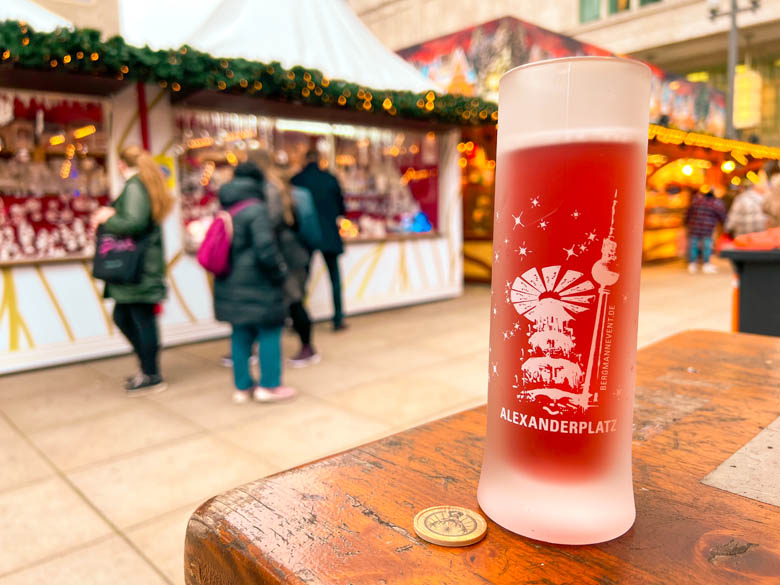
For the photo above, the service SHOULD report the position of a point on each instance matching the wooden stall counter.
(705, 407)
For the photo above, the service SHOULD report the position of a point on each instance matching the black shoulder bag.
(120, 259)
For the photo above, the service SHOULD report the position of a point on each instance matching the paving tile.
(43, 519)
(138, 425)
(468, 373)
(402, 400)
(19, 462)
(336, 373)
(304, 430)
(145, 485)
(64, 403)
(212, 408)
(109, 562)
(29, 383)
(162, 541)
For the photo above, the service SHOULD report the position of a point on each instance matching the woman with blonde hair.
(138, 213)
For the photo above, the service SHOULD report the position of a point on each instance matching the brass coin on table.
(450, 526)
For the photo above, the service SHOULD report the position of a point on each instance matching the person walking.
(288, 207)
(329, 203)
(745, 215)
(250, 296)
(702, 217)
(138, 213)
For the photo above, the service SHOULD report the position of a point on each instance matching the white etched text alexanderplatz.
(572, 427)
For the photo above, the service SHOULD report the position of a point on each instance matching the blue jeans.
(703, 245)
(270, 341)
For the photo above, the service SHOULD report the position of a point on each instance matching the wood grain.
(347, 519)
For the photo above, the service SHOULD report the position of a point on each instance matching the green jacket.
(251, 294)
(134, 218)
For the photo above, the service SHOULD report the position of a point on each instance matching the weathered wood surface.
(348, 519)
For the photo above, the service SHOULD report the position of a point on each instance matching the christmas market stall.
(395, 152)
(680, 165)
(472, 61)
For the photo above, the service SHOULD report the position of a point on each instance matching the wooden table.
(347, 519)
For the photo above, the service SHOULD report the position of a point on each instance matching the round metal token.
(450, 526)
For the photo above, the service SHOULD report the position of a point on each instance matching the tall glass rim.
(578, 59)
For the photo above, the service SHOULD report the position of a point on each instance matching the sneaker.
(142, 385)
(340, 327)
(693, 268)
(306, 357)
(129, 379)
(274, 394)
(709, 268)
(226, 361)
(242, 396)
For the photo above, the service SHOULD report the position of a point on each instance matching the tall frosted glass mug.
(572, 150)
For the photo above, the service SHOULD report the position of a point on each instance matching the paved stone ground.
(97, 488)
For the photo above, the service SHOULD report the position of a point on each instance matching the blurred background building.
(675, 35)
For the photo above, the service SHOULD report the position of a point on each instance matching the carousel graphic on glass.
(572, 147)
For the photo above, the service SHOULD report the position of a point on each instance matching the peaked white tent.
(36, 16)
(318, 34)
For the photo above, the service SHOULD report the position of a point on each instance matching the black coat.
(328, 200)
(251, 294)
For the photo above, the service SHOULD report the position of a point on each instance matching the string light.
(116, 60)
(84, 131)
(738, 149)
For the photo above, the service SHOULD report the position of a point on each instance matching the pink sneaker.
(274, 394)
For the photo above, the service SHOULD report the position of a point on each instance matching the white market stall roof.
(316, 34)
(36, 16)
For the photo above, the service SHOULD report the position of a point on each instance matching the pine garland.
(187, 70)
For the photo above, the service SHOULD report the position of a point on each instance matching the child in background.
(703, 216)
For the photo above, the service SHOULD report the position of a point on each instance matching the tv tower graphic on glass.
(552, 371)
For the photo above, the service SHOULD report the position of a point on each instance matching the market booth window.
(52, 176)
(390, 178)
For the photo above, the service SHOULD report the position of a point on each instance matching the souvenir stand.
(472, 61)
(394, 151)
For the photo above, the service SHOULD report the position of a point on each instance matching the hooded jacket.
(251, 294)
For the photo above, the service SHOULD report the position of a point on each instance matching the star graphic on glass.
(518, 220)
(576, 214)
(570, 252)
(543, 224)
(523, 250)
(535, 202)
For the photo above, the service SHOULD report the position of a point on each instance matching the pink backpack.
(214, 252)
